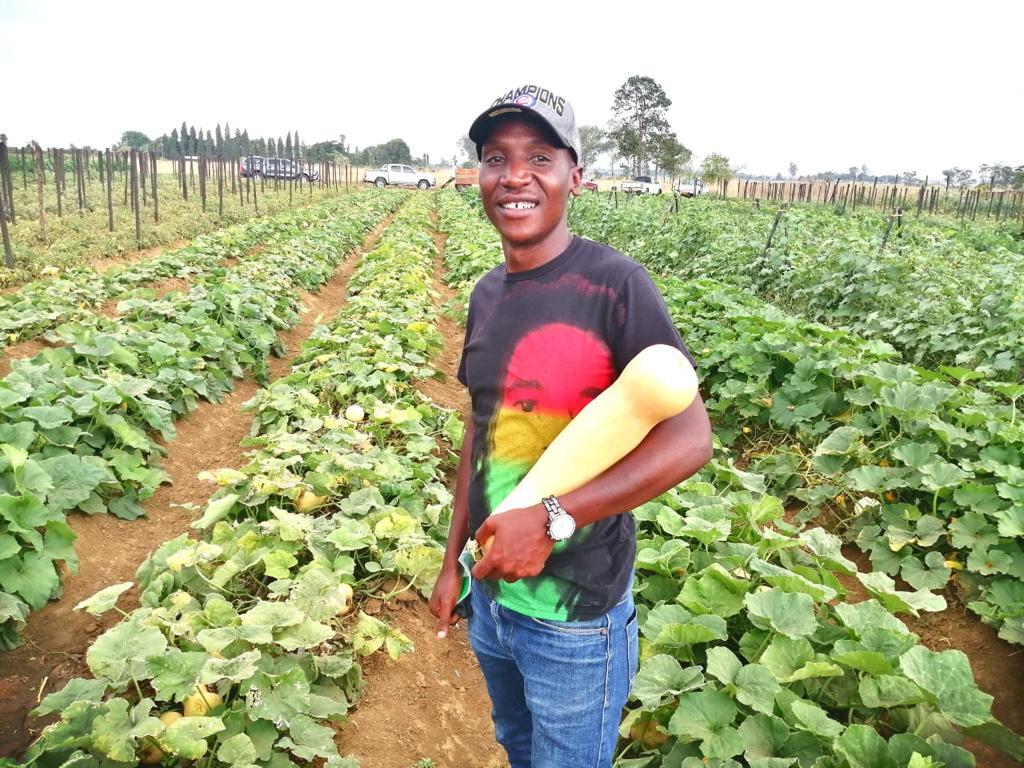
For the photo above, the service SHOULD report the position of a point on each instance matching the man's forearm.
(458, 531)
(673, 451)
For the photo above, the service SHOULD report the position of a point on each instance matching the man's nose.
(517, 174)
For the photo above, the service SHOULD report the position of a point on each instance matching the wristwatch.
(560, 523)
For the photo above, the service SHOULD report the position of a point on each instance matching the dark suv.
(258, 167)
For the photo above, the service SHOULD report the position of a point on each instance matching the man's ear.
(576, 180)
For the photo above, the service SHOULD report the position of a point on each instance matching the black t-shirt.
(539, 346)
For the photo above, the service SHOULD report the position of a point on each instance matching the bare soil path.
(110, 549)
(431, 703)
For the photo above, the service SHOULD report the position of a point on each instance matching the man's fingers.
(484, 567)
(444, 620)
(484, 534)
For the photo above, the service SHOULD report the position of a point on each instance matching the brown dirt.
(20, 351)
(432, 702)
(110, 550)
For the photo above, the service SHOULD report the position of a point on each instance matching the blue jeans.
(557, 688)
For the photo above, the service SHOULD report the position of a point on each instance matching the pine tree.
(288, 146)
(184, 138)
(229, 142)
(175, 143)
(272, 148)
(298, 147)
(220, 141)
(193, 142)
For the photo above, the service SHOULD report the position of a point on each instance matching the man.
(552, 617)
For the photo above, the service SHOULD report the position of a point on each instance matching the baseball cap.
(542, 103)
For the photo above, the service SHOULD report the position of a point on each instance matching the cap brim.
(480, 128)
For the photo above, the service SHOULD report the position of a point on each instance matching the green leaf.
(707, 715)
(350, 535)
(308, 740)
(947, 677)
(237, 751)
(852, 654)
(715, 591)
(883, 588)
(175, 673)
(839, 441)
(699, 629)
(278, 564)
(888, 691)
(116, 732)
(370, 634)
(814, 719)
(864, 748)
(187, 737)
(272, 615)
(763, 736)
(756, 687)
(661, 676)
(105, 599)
(235, 669)
(791, 614)
(723, 664)
(277, 698)
(48, 416)
(307, 634)
(216, 510)
(827, 548)
(867, 615)
(74, 478)
(76, 689)
(785, 655)
(120, 653)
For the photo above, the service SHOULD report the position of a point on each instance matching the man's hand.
(444, 598)
(520, 544)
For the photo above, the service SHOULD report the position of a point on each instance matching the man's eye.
(526, 405)
(540, 158)
(493, 159)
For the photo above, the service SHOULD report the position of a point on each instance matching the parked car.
(589, 184)
(641, 185)
(397, 174)
(257, 167)
(690, 188)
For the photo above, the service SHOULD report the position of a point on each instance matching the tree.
(715, 168)
(792, 170)
(640, 122)
(956, 175)
(671, 156)
(219, 140)
(288, 145)
(230, 146)
(853, 172)
(593, 141)
(193, 142)
(135, 140)
(864, 171)
(468, 147)
(909, 176)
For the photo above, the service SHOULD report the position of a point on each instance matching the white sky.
(896, 85)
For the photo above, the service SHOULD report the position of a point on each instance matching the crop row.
(41, 305)
(749, 642)
(78, 422)
(343, 494)
(928, 470)
(939, 295)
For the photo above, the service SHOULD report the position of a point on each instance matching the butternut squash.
(656, 384)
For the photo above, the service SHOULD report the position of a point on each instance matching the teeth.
(519, 205)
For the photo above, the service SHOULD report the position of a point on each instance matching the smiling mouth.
(518, 205)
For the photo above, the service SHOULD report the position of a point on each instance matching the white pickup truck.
(641, 185)
(396, 174)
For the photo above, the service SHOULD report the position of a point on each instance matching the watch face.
(562, 527)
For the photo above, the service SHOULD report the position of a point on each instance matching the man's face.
(525, 182)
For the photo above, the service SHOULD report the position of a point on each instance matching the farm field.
(77, 238)
(863, 485)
